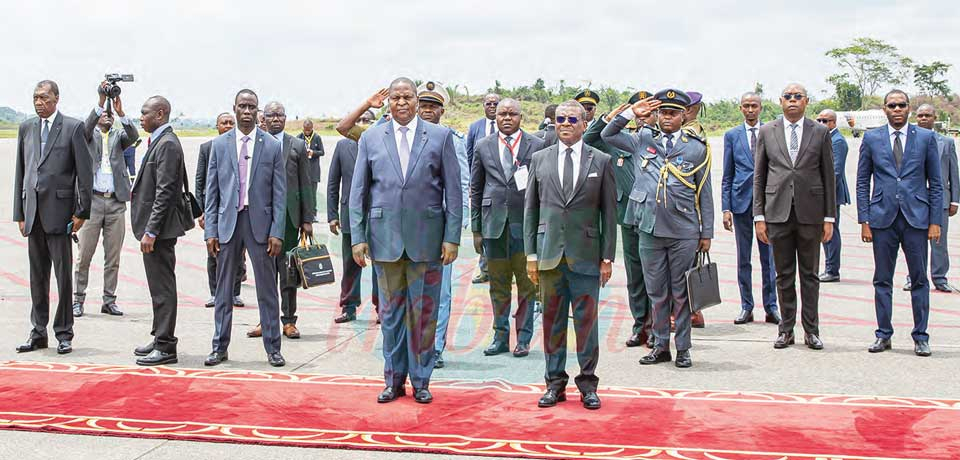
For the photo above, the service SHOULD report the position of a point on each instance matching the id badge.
(520, 176)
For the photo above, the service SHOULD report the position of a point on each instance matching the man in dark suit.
(225, 122)
(549, 130)
(158, 217)
(406, 217)
(480, 129)
(245, 208)
(794, 207)
(314, 152)
(301, 210)
(939, 257)
(739, 147)
(338, 208)
(52, 195)
(111, 192)
(904, 210)
(570, 238)
(496, 208)
(831, 249)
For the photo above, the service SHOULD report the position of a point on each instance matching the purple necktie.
(243, 172)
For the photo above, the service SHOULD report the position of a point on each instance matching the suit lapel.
(781, 140)
(586, 157)
(55, 129)
(147, 154)
(419, 140)
(908, 149)
(257, 150)
(497, 162)
(553, 168)
(391, 143)
(808, 127)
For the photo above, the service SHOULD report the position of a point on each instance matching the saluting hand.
(376, 100)
(617, 111)
(644, 107)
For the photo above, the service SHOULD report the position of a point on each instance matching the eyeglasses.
(563, 119)
(897, 105)
(273, 115)
(823, 120)
(794, 96)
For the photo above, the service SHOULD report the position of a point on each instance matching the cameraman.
(111, 192)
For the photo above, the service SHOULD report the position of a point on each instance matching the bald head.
(509, 116)
(154, 113)
(829, 118)
(926, 116)
(275, 116)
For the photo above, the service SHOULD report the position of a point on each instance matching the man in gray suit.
(939, 256)
(496, 208)
(111, 192)
(158, 216)
(406, 218)
(301, 209)
(245, 208)
(569, 232)
(52, 191)
(794, 208)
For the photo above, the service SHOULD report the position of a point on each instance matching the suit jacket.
(548, 134)
(840, 149)
(157, 196)
(948, 167)
(808, 186)
(412, 214)
(581, 229)
(478, 130)
(623, 165)
(57, 182)
(316, 144)
(914, 189)
(301, 198)
(736, 185)
(338, 183)
(200, 180)
(494, 197)
(268, 188)
(120, 140)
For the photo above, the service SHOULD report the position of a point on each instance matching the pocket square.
(593, 174)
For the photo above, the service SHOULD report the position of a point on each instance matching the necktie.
(244, 157)
(507, 158)
(897, 148)
(568, 174)
(44, 134)
(404, 149)
(794, 143)
(753, 141)
(669, 143)
(493, 128)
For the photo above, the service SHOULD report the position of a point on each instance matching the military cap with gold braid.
(587, 97)
(432, 91)
(639, 95)
(672, 99)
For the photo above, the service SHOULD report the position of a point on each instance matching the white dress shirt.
(786, 132)
(757, 132)
(486, 127)
(562, 156)
(49, 119)
(903, 136)
(250, 160)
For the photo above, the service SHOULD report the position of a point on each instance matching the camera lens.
(113, 91)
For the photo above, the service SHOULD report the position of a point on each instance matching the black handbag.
(189, 201)
(313, 264)
(703, 284)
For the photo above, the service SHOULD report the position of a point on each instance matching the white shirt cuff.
(628, 114)
(759, 218)
(829, 219)
(531, 257)
(99, 110)
(954, 204)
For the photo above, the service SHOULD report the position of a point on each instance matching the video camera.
(112, 89)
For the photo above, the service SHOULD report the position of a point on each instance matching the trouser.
(638, 298)
(265, 272)
(665, 264)
(288, 284)
(506, 261)
(107, 215)
(45, 250)
(886, 243)
(212, 275)
(408, 314)
(443, 308)
(159, 267)
(796, 247)
(350, 282)
(831, 249)
(743, 229)
(561, 290)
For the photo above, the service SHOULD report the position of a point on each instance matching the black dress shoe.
(215, 357)
(32, 345)
(480, 278)
(77, 309)
(144, 350)
(784, 340)
(521, 350)
(829, 278)
(111, 310)
(651, 341)
(773, 317)
(744, 317)
(64, 347)
(422, 396)
(496, 348)
(345, 318)
(276, 359)
(438, 363)
(391, 394)
(879, 345)
(683, 359)
(634, 341)
(921, 348)
(590, 400)
(907, 286)
(237, 301)
(943, 287)
(551, 398)
(210, 302)
(656, 356)
(157, 358)
(813, 342)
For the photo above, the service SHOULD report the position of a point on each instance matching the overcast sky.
(322, 58)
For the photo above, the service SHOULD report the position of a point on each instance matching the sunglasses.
(794, 96)
(897, 105)
(563, 119)
(823, 120)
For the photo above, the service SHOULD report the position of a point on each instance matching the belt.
(104, 194)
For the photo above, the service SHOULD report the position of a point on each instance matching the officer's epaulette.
(653, 129)
(457, 133)
(689, 132)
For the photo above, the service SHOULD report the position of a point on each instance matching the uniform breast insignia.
(620, 162)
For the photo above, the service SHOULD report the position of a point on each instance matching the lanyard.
(512, 147)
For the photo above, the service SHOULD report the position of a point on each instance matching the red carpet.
(468, 417)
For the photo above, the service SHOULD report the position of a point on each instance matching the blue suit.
(478, 130)
(404, 219)
(904, 202)
(831, 249)
(736, 196)
(248, 228)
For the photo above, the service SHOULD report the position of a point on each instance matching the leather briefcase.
(312, 262)
(703, 284)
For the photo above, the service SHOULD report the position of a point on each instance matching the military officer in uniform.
(671, 204)
(589, 100)
(623, 172)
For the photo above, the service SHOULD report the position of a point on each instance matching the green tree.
(848, 96)
(928, 78)
(872, 63)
